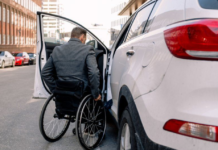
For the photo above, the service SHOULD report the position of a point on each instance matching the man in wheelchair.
(73, 67)
(71, 73)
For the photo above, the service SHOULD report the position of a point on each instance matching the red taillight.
(195, 130)
(194, 40)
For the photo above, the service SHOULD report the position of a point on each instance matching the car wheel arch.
(125, 99)
(143, 141)
(122, 105)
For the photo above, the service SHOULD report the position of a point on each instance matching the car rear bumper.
(189, 92)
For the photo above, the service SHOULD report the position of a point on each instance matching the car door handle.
(130, 52)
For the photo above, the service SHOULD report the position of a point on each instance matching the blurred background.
(104, 18)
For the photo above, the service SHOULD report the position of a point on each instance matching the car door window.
(151, 19)
(2, 53)
(58, 31)
(139, 22)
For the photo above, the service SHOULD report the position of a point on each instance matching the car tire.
(126, 133)
(13, 64)
(3, 64)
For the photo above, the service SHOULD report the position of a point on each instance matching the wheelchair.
(88, 115)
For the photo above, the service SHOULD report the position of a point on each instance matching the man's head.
(79, 33)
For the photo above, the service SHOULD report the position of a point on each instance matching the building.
(131, 7)
(18, 25)
(121, 10)
(117, 21)
(51, 26)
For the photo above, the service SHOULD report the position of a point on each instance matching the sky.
(87, 12)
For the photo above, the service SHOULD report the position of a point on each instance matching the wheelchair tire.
(57, 126)
(90, 123)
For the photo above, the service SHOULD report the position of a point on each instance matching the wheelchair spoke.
(91, 129)
(93, 111)
(85, 114)
(87, 128)
(48, 123)
(51, 129)
(98, 113)
(88, 112)
(86, 119)
(87, 139)
(58, 128)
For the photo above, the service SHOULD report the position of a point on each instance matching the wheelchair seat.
(68, 96)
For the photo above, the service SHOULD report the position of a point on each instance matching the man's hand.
(98, 98)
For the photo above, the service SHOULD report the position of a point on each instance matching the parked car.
(21, 59)
(6, 59)
(161, 75)
(32, 59)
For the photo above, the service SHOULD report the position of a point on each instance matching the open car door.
(52, 31)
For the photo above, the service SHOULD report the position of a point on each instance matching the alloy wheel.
(125, 143)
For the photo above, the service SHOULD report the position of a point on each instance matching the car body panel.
(187, 92)
(1, 60)
(194, 100)
(18, 61)
(194, 10)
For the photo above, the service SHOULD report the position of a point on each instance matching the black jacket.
(73, 59)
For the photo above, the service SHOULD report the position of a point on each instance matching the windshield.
(31, 55)
(2, 53)
(18, 54)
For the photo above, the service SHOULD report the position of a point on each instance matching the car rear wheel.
(3, 64)
(126, 136)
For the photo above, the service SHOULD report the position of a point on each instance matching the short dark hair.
(77, 32)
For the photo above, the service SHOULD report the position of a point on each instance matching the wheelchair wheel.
(90, 122)
(52, 125)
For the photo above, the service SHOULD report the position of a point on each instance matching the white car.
(6, 59)
(161, 74)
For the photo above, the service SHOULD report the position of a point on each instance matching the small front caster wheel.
(74, 131)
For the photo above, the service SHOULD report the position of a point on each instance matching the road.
(19, 116)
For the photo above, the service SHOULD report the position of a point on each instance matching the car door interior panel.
(49, 48)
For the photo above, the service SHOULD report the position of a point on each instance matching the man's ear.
(81, 37)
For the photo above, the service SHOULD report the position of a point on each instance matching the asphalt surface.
(19, 116)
